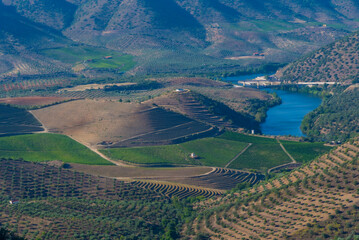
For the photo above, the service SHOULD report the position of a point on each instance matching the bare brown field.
(203, 177)
(186, 104)
(290, 205)
(140, 172)
(236, 98)
(33, 100)
(99, 123)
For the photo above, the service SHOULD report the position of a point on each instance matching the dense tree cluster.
(336, 119)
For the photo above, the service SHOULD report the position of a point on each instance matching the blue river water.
(286, 118)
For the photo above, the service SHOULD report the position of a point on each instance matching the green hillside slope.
(48, 147)
(338, 62)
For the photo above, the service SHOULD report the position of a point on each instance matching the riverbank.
(285, 117)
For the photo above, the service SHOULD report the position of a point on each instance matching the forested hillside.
(336, 119)
(338, 62)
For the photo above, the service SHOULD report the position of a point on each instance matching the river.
(286, 118)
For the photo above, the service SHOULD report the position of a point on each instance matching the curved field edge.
(45, 147)
(262, 154)
(261, 157)
(208, 151)
(177, 190)
(303, 199)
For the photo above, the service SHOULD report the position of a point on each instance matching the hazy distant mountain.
(192, 33)
(20, 39)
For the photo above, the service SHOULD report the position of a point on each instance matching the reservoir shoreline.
(284, 119)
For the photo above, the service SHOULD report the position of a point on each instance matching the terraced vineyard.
(280, 208)
(179, 191)
(187, 104)
(221, 178)
(56, 203)
(22, 180)
(224, 178)
(167, 134)
(17, 121)
(206, 185)
(108, 123)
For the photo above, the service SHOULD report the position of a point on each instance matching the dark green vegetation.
(304, 152)
(263, 154)
(48, 147)
(337, 62)
(210, 152)
(141, 85)
(322, 91)
(91, 57)
(260, 107)
(7, 235)
(247, 138)
(56, 203)
(17, 121)
(261, 157)
(337, 117)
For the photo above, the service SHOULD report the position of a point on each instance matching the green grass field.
(264, 153)
(261, 156)
(93, 57)
(211, 152)
(247, 138)
(44, 147)
(305, 152)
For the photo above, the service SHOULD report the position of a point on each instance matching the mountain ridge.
(218, 29)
